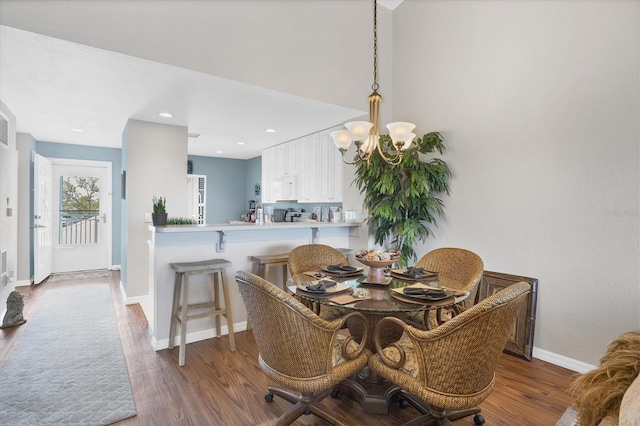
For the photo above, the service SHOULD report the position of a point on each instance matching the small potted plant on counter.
(159, 215)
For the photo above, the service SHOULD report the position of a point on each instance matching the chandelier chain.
(375, 85)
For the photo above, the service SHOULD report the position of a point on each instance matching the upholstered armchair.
(446, 372)
(465, 269)
(300, 351)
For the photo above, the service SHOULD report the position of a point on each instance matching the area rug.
(76, 275)
(68, 367)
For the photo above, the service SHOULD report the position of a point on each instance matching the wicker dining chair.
(446, 372)
(464, 267)
(300, 351)
(311, 257)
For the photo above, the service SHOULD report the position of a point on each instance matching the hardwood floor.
(219, 387)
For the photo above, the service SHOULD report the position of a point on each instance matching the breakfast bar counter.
(235, 242)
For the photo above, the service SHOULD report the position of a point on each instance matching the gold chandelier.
(365, 134)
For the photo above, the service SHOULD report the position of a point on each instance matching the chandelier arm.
(343, 151)
(395, 159)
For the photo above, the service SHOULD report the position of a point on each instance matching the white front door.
(42, 220)
(81, 215)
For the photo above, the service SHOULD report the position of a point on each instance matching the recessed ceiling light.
(76, 130)
(219, 152)
(239, 143)
(270, 130)
(165, 114)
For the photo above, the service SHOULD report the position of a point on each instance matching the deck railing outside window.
(78, 227)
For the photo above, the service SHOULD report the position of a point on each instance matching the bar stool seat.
(181, 307)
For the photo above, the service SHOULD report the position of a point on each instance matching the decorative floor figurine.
(15, 304)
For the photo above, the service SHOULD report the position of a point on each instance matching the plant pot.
(159, 219)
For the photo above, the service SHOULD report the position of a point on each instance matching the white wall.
(8, 199)
(539, 106)
(156, 165)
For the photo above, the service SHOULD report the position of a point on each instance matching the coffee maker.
(250, 216)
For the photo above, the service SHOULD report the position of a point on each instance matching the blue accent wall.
(226, 186)
(230, 186)
(83, 152)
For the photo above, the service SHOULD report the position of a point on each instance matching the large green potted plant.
(403, 200)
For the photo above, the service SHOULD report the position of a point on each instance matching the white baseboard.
(562, 361)
(198, 336)
(23, 283)
(132, 300)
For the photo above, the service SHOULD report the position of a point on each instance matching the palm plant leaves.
(403, 200)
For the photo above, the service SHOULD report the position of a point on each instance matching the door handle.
(104, 217)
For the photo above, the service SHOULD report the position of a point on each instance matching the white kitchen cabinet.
(330, 160)
(280, 172)
(197, 198)
(308, 150)
(268, 175)
(308, 169)
(287, 157)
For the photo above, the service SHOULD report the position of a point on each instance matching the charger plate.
(399, 291)
(339, 288)
(399, 273)
(364, 280)
(339, 273)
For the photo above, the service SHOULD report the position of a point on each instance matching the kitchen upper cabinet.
(287, 157)
(308, 169)
(330, 159)
(280, 172)
(268, 175)
(309, 150)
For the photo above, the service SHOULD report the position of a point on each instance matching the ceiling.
(53, 86)
(65, 92)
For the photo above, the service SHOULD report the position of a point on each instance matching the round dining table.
(375, 300)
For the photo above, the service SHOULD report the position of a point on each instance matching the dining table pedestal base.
(374, 394)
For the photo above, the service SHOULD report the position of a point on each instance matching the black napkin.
(338, 267)
(348, 268)
(320, 287)
(418, 291)
(414, 272)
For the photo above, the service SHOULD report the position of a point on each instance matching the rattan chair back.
(310, 257)
(454, 363)
(463, 266)
(291, 338)
(300, 351)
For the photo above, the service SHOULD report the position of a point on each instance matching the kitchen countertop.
(248, 226)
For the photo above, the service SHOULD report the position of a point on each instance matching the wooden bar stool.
(262, 264)
(180, 312)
